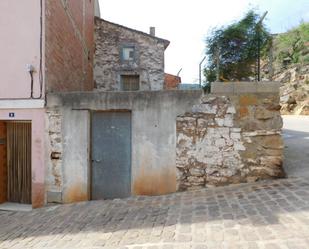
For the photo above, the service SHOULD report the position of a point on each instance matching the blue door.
(111, 155)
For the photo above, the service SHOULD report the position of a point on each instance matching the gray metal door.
(111, 155)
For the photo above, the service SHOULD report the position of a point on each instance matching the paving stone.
(270, 214)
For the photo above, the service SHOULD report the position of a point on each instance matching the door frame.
(31, 165)
(4, 184)
(92, 112)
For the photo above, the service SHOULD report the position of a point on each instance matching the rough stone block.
(195, 180)
(262, 113)
(231, 110)
(246, 100)
(235, 129)
(197, 172)
(239, 146)
(220, 142)
(228, 120)
(243, 112)
(235, 135)
(219, 121)
(205, 108)
(207, 99)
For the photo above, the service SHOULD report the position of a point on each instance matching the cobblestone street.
(272, 214)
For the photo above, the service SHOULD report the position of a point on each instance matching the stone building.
(127, 59)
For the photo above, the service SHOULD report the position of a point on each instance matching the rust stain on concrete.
(38, 195)
(155, 181)
(75, 193)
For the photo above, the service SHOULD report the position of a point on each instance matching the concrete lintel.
(22, 104)
(109, 100)
(265, 87)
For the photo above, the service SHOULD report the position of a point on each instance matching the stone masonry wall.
(54, 175)
(108, 65)
(229, 139)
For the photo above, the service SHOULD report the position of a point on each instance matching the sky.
(186, 23)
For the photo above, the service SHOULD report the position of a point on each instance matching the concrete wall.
(69, 45)
(153, 137)
(108, 65)
(76, 130)
(36, 116)
(20, 43)
(180, 139)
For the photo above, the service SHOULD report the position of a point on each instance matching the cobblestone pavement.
(272, 214)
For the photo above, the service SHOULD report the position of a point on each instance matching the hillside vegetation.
(290, 53)
(292, 47)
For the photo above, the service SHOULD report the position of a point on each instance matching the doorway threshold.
(15, 207)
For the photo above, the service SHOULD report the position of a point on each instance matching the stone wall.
(294, 91)
(108, 65)
(54, 176)
(229, 139)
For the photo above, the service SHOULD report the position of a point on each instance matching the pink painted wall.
(20, 45)
(37, 118)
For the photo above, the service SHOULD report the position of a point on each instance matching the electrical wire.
(31, 76)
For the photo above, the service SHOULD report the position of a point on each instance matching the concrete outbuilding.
(118, 144)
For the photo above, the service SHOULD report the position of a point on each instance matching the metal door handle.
(96, 161)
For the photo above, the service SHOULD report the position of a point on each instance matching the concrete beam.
(22, 104)
(244, 87)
